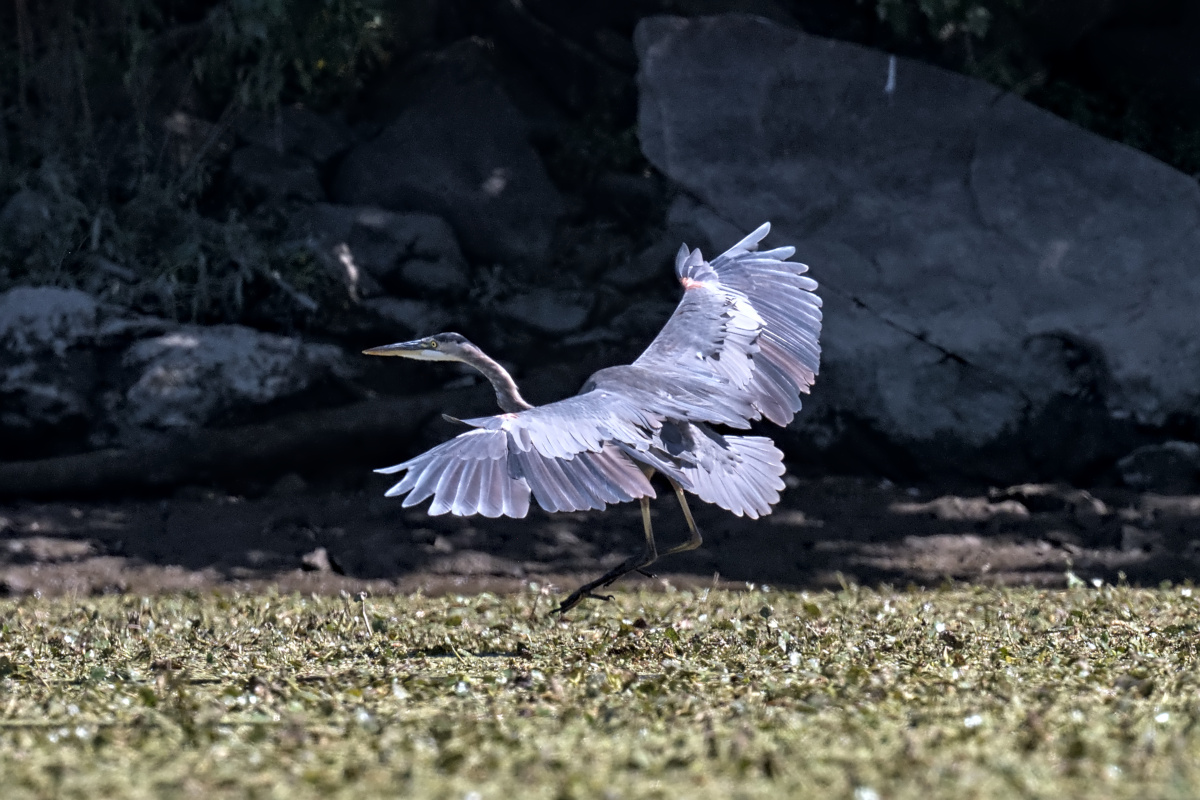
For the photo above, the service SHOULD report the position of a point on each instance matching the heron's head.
(439, 347)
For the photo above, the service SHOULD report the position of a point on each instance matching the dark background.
(126, 115)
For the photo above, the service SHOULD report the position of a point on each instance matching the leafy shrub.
(83, 97)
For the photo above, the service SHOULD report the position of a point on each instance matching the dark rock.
(25, 218)
(1088, 512)
(1170, 467)
(635, 325)
(117, 330)
(634, 198)
(984, 261)
(575, 77)
(187, 378)
(1135, 539)
(615, 48)
(643, 319)
(408, 318)
(401, 251)
(459, 149)
(548, 310)
(297, 132)
(46, 377)
(45, 319)
(289, 485)
(973, 509)
(698, 225)
(1037, 497)
(435, 275)
(655, 263)
(37, 398)
(266, 174)
(319, 561)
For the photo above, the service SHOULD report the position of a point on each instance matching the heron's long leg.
(696, 540)
(632, 564)
(650, 555)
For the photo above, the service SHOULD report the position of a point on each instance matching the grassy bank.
(861, 694)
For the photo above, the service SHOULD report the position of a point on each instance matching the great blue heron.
(741, 345)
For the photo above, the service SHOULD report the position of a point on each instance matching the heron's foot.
(578, 596)
(587, 591)
(647, 573)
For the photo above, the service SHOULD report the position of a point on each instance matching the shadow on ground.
(823, 533)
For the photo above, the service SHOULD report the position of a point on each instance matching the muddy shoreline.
(824, 533)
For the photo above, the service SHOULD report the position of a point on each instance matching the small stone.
(290, 485)
(1171, 467)
(317, 561)
(1037, 497)
(25, 218)
(1135, 539)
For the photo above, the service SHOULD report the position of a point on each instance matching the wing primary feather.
(465, 501)
(430, 481)
(545, 489)
(493, 481)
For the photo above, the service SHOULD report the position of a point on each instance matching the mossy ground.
(963, 692)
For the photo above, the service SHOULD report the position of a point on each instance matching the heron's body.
(742, 345)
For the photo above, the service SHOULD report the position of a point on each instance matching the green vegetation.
(119, 116)
(964, 692)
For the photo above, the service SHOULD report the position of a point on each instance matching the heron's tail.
(742, 474)
(745, 476)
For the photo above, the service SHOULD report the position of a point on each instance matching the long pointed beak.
(404, 349)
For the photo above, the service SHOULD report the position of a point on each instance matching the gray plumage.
(742, 345)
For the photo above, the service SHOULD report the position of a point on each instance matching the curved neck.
(507, 396)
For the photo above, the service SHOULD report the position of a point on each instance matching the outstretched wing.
(574, 454)
(484, 472)
(750, 320)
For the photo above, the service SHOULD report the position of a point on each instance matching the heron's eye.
(432, 344)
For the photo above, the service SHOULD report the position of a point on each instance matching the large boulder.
(191, 376)
(992, 274)
(459, 148)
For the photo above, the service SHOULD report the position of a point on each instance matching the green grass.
(965, 692)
